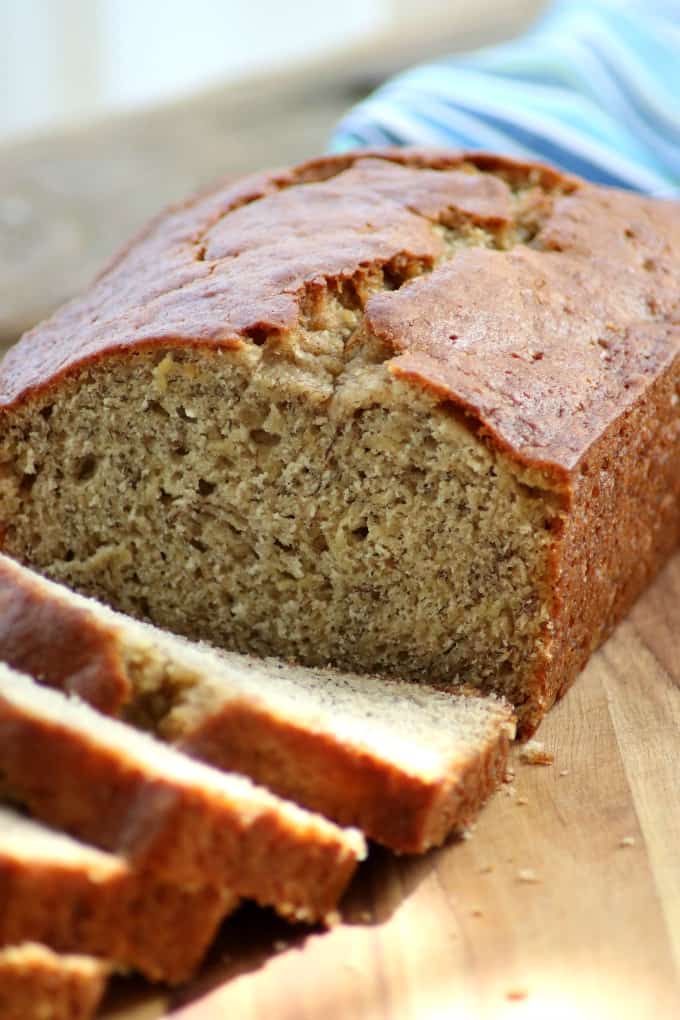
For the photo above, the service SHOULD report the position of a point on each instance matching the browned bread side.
(38, 984)
(73, 898)
(125, 792)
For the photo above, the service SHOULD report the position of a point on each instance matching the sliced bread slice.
(402, 761)
(75, 898)
(39, 984)
(126, 792)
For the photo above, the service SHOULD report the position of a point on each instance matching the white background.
(67, 60)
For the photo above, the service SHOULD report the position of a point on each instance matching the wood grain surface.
(563, 903)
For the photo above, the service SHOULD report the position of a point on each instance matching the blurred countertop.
(68, 199)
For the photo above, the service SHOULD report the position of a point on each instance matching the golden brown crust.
(524, 340)
(296, 862)
(127, 917)
(60, 645)
(37, 983)
(546, 345)
(182, 280)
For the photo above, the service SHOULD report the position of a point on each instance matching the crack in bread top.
(538, 304)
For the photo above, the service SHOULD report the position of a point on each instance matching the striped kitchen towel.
(593, 87)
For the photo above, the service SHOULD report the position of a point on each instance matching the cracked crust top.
(539, 305)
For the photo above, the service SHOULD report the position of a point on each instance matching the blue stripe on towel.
(593, 87)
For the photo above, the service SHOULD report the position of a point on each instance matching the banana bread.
(406, 412)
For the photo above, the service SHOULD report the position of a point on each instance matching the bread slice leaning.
(39, 984)
(74, 898)
(402, 761)
(124, 791)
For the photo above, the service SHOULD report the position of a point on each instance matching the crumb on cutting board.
(527, 875)
(534, 753)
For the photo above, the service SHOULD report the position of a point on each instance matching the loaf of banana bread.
(405, 412)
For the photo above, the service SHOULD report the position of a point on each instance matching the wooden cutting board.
(564, 903)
